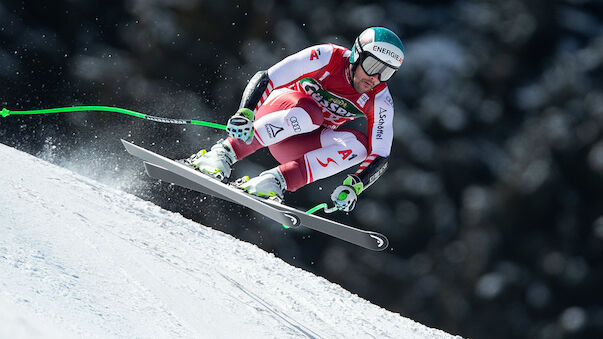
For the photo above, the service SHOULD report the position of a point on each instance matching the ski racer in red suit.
(296, 108)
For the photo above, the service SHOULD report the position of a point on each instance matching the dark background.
(492, 202)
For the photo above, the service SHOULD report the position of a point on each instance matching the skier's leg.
(328, 152)
(285, 113)
(217, 162)
(272, 182)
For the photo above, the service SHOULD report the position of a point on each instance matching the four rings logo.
(295, 124)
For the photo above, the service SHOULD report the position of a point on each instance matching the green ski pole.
(6, 112)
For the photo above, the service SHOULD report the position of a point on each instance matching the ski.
(168, 170)
(162, 174)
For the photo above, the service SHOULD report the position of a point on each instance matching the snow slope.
(80, 259)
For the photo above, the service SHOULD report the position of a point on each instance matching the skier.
(295, 109)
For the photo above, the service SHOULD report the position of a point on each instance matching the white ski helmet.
(378, 51)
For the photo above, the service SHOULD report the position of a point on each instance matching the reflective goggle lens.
(371, 66)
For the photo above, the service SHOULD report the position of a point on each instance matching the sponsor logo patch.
(380, 122)
(334, 104)
(387, 52)
(295, 124)
(363, 99)
(346, 153)
(329, 160)
(389, 101)
(273, 130)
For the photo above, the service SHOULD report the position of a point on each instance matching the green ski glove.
(345, 196)
(240, 125)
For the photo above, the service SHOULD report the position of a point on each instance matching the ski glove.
(345, 196)
(240, 125)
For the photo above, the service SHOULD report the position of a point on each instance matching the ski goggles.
(372, 66)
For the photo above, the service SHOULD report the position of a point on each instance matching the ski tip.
(130, 147)
(126, 143)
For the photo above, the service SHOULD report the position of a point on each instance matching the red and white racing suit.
(309, 95)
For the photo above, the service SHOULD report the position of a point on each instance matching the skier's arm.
(345, 196)
(254, 90)
(370, 174)
(240, 125)
(309, 62)
(381, 132)
(306, 63)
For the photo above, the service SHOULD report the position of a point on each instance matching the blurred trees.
(492, 202)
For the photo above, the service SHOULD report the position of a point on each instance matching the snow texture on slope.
(80, 259)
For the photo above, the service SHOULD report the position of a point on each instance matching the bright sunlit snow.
(80, 259)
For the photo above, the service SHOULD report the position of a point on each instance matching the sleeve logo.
(273, 130)
(381, 122)
(389, 101)
(362, 100)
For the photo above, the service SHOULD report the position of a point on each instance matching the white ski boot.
(269, 184)
(217, 162)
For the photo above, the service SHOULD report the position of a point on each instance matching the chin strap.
(352, 71)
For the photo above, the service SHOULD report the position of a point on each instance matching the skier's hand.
(345, 196)
(240, 125)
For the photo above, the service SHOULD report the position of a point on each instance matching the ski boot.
(216, 163)
(269, 184)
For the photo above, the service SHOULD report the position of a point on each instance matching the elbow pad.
(373, 171)
(254, 90)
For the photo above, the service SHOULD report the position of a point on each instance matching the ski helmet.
(378, 51)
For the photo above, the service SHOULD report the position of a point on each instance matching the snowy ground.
(80, 259)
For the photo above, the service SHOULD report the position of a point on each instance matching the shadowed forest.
(492, 202)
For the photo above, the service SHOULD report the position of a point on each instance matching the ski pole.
(6, 112)
(322, 205)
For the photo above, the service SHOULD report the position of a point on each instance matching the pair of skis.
(168, 170)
